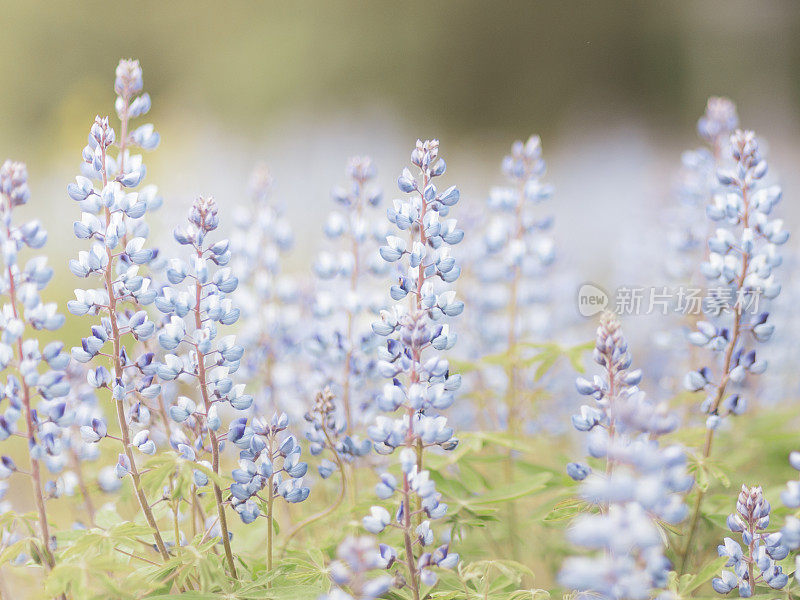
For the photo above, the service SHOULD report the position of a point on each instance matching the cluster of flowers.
(342, 343)
(762, 550)
(270, 301)
(642, 482)
(158, 354)
(696, 186)
(35, 383)
(509, 294)
(741, 260)
(421, 383)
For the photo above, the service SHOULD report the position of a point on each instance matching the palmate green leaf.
(14, 550)
(295, 592)
(158, 470)
(86, 576)
(551, 352)
(155, 474)
(310, 569)
(487, 579)
(97, 540)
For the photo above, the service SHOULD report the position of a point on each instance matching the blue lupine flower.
(269, 464)
(421, 383)
(743, 254)
(642, 481)
(356, 558)
(758, 562)
(35, 382)
(343, 346)
(272, 324)
(112, 222)
(327, 431)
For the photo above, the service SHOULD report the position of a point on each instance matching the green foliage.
(487, 474)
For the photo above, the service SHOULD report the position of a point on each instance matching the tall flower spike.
(421, 383)
(30, 393)
(270, 302)
(640, 485)
(742, 256)
(695, 188)
(112, 222)
(195, 353)
(687, 231)
(343, 341)
(327, 432)
(517, 253)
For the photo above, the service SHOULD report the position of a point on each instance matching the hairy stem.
(30, 426)
(201, 375)
(123, 424)
(411, 562)
(323, 513)
(720, 393)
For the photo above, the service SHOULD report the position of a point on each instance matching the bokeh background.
(614, 88)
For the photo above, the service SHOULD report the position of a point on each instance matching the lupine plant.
(111, 220)
(195, 314)
(688, 230)
(758, 562)
(35, 382)
(696, 186)
(347, 346)
(421, 383)
(743, 254)
(202, 438)
(638, 485)
(269, 300)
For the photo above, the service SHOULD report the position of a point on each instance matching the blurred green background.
(462, 68)
(613, 87)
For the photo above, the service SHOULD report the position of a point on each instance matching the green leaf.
(705, 574)
(511, 491)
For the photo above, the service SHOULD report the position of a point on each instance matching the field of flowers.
(432, 409)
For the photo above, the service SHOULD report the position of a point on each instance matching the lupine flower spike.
(758, 562)
(32, 395)
(743, 254)
(112, 221)
(518, 251)
(357, 558)
(421, 383)
(641, 482)
(209, 361)
(269, 300)
(347, 297)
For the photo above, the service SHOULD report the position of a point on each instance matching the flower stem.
(323, 513)
(123, 425)
(201, 376)
(38, 496)
(735, 334)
